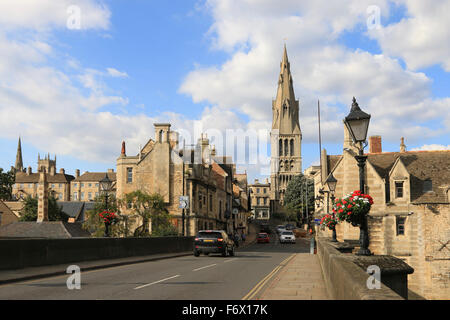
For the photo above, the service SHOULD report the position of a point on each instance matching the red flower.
(349, 213)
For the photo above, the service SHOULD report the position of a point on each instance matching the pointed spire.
(19, 163)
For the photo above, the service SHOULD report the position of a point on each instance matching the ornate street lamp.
(357, 123)
(331, 183)
(106, 188)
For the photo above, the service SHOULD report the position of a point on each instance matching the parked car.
(263, 238)
(281, 228)
(287, 237)
(213, 241)
(290, 226)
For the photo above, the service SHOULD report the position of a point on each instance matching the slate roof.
(96, 176)
(421, 165)
(22, 177)
(47, 230)
(76, 209)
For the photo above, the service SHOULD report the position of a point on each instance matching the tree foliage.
(299, 198)
(7, 180)
(96, 226)
(30, 209)
(150, 207)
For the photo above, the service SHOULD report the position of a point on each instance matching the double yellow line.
(258, 287)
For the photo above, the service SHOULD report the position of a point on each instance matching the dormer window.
(399, 189)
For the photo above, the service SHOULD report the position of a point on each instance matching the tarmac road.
(210, 277)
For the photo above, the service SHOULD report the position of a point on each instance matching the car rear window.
(211, 235)
(262, 235)
(287, 233)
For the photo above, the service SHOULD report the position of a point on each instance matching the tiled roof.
(48, 230)
(22, 177)
(422, 166)
(96, 176)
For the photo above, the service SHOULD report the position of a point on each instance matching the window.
(210, 202)
(427, 186)
(265, 190)
(220, 209)
(75, 196)
(280, 148)
(74, 185)
(60, 185)
(257, 201)
(129, 175)
(96, 185)
(257, 190)
(399, 189)
(292, 147)
(82, 185)
(60, 196)
(90, 195)
(89, 185)
(400, 222)
(82, 195)
(265, 200)
(53, 185)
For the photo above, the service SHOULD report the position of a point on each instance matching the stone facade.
(7, 216)
(260, 200)
(162, 167)
(86, 187)
(410, 217)
(285, 136)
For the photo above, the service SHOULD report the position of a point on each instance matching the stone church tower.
(285, 136)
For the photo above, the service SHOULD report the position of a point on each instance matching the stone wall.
(22, 253)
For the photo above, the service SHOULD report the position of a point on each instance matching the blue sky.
(79, 93)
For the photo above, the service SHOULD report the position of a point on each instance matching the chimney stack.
(110, 170)
(402, 145)
(375, 144)
(77, 173)
(123, 153)
(29, 170)
(62, 171)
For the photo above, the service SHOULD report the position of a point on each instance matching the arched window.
(280, 148)
(292, 147)
(286, 166)
(286, 146)
(160, 136)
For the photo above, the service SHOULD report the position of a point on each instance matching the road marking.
(261, 284)
(149, 284)
(229, 260)
(211, 265)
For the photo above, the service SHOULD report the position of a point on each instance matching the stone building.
(7, 216)
(285, 136)
(86, 187)
(197, 173)
(260, 199)
(410, 217)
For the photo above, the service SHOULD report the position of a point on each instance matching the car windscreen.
(210, 235)
(262, 235)
(287, 234)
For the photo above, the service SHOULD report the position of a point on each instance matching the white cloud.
(421, 38)
(432, 147)
(43, 15)
(116, 73)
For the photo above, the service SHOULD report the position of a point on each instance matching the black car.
(213, 241)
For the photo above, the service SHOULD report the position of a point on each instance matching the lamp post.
(331, 183)
(357, 123)
(106, 187)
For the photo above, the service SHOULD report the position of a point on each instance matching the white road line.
(149, 284)
(211, 265)
(229, 260)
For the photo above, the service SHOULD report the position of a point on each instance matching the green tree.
(96, 226)
(150, 207)
(30, 208)
(7, 180)
(299, 198)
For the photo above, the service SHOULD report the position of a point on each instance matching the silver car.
(287, 237)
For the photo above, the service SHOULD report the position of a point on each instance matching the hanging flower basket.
(329, 222)
(353, 207)
(108, 217)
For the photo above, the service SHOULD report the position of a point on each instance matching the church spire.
(19, 164)
(285, 107)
